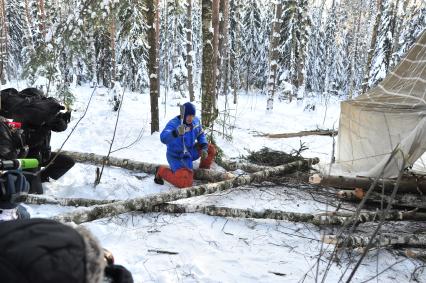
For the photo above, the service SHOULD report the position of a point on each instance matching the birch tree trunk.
(151, 16)
(189, 59)
(147, 203)
(382, 240)
(150, 168)
(273, 51)
(42, 25)
(372, 46)
(328, 218)
(208, 68)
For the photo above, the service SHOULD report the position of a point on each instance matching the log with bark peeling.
(382, 240)
(199, 174)
(319, 132)
(146, 203)
(407, 184)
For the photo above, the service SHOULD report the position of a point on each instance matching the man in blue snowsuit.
(182, 149)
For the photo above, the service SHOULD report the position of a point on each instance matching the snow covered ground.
(208, 249)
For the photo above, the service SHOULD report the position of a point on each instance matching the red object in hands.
(16, 125)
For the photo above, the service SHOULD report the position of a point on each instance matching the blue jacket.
(176, 156)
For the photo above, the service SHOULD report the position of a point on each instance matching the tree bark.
(37, 199)
(199, 174)
(247, 213)
(372, 46)
(3, 43)
(273, 51)
(318, 132)
(216, 59)
(225, 49)
(151, 16)
(112, 46)
(407, 185)
(148, 202)
(189, 59)
(208, 69)
(382, 240)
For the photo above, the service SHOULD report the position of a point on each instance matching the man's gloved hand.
(67, 116)
(204, 154)
(181, 130)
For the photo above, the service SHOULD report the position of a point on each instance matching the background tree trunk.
(112, 46)
(208, 68)
(273, 51)
(152, 19)
(189, 50)
(3, 42)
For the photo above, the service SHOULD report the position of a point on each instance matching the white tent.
(390, 116)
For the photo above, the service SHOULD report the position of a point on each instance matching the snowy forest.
(311, 114)
(289, 49)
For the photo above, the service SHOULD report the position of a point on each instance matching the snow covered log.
(409, 184)
(148, 202)
(318, 132)
(38, 199)
(199, 174)
(382, 240)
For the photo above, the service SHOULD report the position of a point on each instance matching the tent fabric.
(390, 116)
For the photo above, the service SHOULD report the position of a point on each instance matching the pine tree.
(382, 53)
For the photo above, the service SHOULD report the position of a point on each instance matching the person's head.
(189, 112)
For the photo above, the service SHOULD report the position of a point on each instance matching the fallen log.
(405, 200)
(324, 218)
(199, 174)
(246, 213)
(318, 132)
(416, 253)
(37, 199)
(408, 184)
(146, 203)
(245, 166)
(382, 240)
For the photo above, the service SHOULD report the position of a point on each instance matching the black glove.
(118, 274)
(67, 116)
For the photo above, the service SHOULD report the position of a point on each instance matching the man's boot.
(158, 179)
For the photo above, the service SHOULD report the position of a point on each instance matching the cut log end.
(315, 179)
(329, 239)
